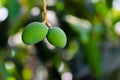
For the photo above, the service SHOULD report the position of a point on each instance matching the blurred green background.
(93, 47)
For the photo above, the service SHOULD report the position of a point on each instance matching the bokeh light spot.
(67, 76)
(9, 65)
(61, 67)
(95, 1)
(3, 13)
(35, 11)
(117, 28)
(116, 5)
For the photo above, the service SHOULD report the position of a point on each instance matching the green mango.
(34, 32)
(57, 37)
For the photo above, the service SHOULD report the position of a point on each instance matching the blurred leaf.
(78, 25)
(109, 3)
(27, 74)
(3, 2)
(92, 56)
(11, 78)
(4, 72)
(59, 6)
(14, 9)
(101, 8)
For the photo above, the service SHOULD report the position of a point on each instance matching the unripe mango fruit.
(57, 37)
(34, 32)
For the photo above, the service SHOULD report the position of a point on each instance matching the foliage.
(92, 28)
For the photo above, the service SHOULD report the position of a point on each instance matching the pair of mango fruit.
(36, 32)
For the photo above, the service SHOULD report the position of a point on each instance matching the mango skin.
(34, 32)
(57, 37)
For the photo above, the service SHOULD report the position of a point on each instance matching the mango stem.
(45, 14)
